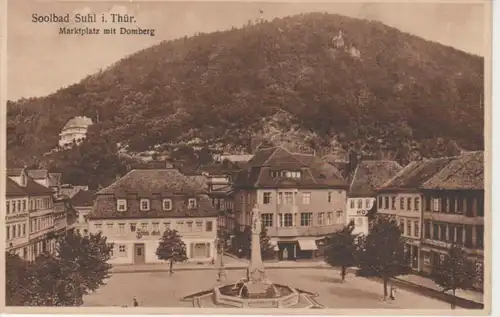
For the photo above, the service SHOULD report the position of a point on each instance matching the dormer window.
(144, 203)
(167, 204)
(121, 204)
(191, 203)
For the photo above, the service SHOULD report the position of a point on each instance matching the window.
(306, 219)
(24, 230)
(121, 204)
(408, 227)
(480, 206)
(191, 203)
(13, 206)
(98, 226)
(360, 203)
(339, 217)
(393, 202)
(144, 226)
(368, 204)
(144, 204)
(480, 237)
(386, 202)
(286, 220)
(199, 226)
(459, 233)
(280, 198)
(122, 248)
(18, 203)
(435, 204)
(189, 225)
(167, 204)
(24, 205)
(288, 198)
(468, 236)
(133, 227)
(8, 208)
(8, 232)
(435, 231)
(352, 203)
(408, 203)
(13, 231)
(209, 226)
(416, 229)
(380, 202)
(167, 225)
(267, 220)
(306, 198)
(267, 198)
(417, 204)
(329, 218)
(110, 225)
(427, 229)
(401, 203)
(156, 226)
(402, 226)
(321, 218)
(329, 197)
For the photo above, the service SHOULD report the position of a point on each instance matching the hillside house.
(75, 130)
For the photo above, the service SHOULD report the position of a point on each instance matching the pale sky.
(40, 61)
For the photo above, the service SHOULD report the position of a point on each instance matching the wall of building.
(356, 210)
(192, 230)
(16, 226)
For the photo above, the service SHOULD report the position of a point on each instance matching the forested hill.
(287, 81)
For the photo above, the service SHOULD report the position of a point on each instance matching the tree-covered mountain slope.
(315, 81)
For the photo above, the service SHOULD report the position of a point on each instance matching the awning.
(307, 245)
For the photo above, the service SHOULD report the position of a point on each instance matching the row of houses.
(37, 212)
(301, 198)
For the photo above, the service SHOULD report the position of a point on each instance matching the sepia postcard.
(243, 157)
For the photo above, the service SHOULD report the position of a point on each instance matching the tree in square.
(341, 249)
(454, 272)
(382, 252)
(266, 247)
(171, 248)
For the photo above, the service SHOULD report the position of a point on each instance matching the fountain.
(256, 289)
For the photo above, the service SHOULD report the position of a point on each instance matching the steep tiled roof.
(147, 182)
(369, 175)
(315, 172)
(13, 189)
(84, 198)
(35, 189)
(464, 172)
(14, 172)
(200, 180)
(37, 174)
(413, 175)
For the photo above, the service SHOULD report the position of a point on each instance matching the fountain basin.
(228, 295)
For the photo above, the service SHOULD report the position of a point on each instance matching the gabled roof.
(78, 122)
(413, 175)
(315, 173)
(465, 172)
(200, 180)
(148, 182)
(38, 174)
(84, 198)
(12, 189)
(35, 189)
(369, 175)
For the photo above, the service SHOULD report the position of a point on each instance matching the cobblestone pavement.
(159, 289)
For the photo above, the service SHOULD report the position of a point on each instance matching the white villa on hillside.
(75, 130)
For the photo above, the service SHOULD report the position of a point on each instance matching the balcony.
(302, 231)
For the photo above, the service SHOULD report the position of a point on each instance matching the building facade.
(75, 130)
(135, 210)
(82, 203)
(16, 218)
(453, 212)
(301, 200)
(367, 177)
(40, 206)
(401, 199)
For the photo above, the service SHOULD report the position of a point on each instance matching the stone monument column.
(256, 267)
